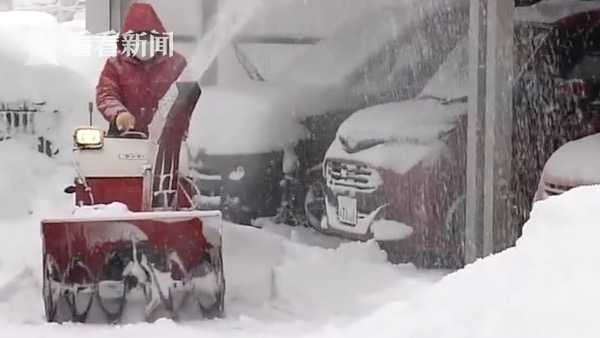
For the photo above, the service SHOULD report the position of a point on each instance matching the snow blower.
(158, 257)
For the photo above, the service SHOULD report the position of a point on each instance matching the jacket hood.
(142, 18)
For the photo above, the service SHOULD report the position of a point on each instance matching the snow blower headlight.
(89, 138)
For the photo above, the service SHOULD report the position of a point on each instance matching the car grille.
(352, 175)
(555, 189)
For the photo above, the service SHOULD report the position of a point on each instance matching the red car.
(397, 172)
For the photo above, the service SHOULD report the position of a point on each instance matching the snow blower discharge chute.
(161, 258)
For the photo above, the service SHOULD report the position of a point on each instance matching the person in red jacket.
(136, 79)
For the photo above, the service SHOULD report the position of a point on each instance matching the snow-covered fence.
(19, 118)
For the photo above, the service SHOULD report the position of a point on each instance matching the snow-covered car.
(397, 172)
(247, 139)
(573, 165)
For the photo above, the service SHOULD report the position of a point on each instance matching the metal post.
(489, 147)
(498, 131)
(476, 125)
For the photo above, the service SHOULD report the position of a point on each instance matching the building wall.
(189, 19)
(292, 18)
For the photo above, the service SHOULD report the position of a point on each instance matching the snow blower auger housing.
(159, 258)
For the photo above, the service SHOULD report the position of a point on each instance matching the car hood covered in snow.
(396, 136)
(575, 163)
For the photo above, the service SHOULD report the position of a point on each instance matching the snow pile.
(278, 269)
(547, 286)
(575, 163)
(43, 61)
(346, 283)
(101, 210)
(21, 168)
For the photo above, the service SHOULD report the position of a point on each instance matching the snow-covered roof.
(549, 11)
(575, 163)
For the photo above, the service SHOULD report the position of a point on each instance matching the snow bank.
(546, 286)
(22, 192)
(347, 282)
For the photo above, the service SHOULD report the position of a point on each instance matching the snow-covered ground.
(281, 281)
(281, 284)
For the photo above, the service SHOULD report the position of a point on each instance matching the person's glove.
(125, 121)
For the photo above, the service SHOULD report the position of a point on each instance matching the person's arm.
(108, 93)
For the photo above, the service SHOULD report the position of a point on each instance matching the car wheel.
(314, 204)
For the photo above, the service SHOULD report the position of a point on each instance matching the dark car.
(258, 146)
(397, 172)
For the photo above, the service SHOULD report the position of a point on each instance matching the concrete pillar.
(499, 127)
(489, 147)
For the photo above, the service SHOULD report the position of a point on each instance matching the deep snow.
(279, 286)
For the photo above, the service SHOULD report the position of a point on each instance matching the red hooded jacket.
(128, 84)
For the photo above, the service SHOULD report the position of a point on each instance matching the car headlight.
(89, 138)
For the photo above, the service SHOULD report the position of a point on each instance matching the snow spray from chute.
(230, 19)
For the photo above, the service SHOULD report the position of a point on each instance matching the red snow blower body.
(158, 255)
